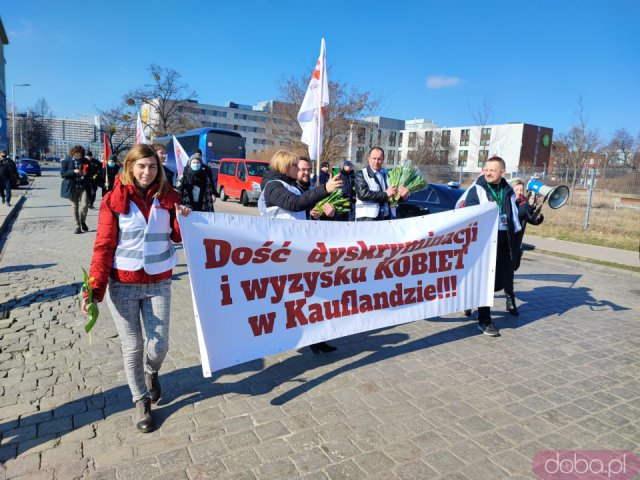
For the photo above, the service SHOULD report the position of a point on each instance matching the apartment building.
(465, 147)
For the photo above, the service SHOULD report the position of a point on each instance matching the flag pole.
(320, 117)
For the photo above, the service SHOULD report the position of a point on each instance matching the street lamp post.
(13, 115)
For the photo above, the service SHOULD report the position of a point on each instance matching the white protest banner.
(262, 286)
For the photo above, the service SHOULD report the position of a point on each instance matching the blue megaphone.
(555, 196)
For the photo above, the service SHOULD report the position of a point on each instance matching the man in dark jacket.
(491, 187)
(373, 191)
(324, 173)
(95, 178)
(75, 171)
(8, 171)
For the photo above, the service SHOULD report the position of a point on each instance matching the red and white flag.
(107, 150)
(182, 159)
(311, 115)
(140, 136)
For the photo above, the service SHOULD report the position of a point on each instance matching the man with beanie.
(324, 175)
(348, 189)
(96, 180)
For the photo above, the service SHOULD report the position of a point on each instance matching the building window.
(485, 136)
(392, 156)
(412, 139)
(446, 138)
(399, 156)
(361, 134)
(444, 156)
(359, 154)
(399, 141)
(462, 158)
(392, 139)
(483, 155)
(464, 137)
(379, 137)
(428, 138)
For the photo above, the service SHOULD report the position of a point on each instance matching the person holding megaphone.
(528, 212)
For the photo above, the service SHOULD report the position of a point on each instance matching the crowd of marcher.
(134, 254)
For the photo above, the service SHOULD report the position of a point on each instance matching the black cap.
(324, 164)
(112, 157)
(89, 153)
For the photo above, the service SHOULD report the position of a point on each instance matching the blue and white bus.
(215, 144)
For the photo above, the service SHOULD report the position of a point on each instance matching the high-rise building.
(64, 133)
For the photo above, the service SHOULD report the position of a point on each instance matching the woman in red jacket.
(134, 255)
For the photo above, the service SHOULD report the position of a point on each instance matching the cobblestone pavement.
(430, 399)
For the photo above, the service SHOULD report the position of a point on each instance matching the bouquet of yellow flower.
(92, 308)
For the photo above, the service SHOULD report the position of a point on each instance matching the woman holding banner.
(134, 256)
(281, 198)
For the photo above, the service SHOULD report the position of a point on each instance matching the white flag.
(140, 136)
(182, 159)
(311, 115)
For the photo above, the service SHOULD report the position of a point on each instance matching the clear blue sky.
(425, 59)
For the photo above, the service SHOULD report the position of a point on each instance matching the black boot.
(152, 382)
(144, 422)
(511, 306)
(322, 347)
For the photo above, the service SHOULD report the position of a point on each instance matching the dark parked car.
(435, 198)
(32, 167)
(21, 180)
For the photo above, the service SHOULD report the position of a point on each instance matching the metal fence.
(611, 182)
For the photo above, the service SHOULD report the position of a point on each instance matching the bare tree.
(432, 150)
(41, 108)
(169, 100)
(623, 142)
(580, 141)
(34, 129)
(347, 104)
(119, 125)
(482, 116)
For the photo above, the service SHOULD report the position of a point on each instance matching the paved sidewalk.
(429, 399)
(614, 255)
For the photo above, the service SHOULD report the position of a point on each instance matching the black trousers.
(5, 190)
(504, 273)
